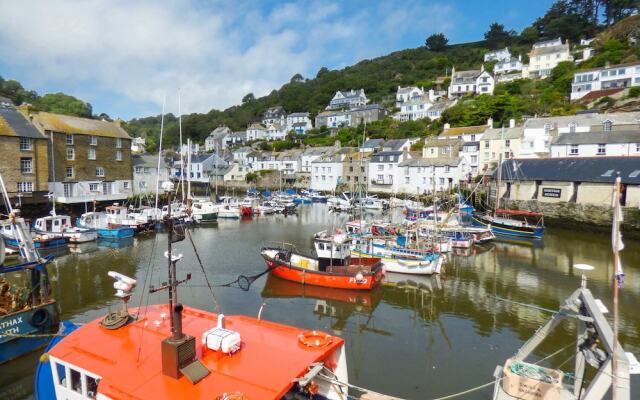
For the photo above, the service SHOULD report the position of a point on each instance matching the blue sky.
(127, 57)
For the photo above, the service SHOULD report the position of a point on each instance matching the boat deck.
(128, 359)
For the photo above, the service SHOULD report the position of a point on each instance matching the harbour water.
(414, 337)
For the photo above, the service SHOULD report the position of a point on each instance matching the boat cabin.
(332, 249)
(53, 223)
(117, 213)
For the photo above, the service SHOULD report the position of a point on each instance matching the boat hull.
(326, 279)
(52, 243)
(43, 384)
(39, 320)
(414, 267)
(509, 230)
(206, 217)
(116, 233)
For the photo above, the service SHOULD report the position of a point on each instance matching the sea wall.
(579, 215)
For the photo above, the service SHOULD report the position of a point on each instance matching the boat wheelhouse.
(204, 211)
(60, 226)
(41, 241)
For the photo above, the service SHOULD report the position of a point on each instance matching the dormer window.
(608, 125)
(547, 129)
(572, 127)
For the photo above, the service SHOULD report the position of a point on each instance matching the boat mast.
(617, 280)
(496, 205)
(188, 173)
(159, 154)
(188, 147)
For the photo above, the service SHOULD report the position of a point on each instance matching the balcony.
(382, 181)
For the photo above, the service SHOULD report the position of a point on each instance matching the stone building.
(24, 165)
(354, 171)
(89, 160)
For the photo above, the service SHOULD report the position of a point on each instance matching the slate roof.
(239, 135)
(147, 160)
(394, 144)
(586, 119)
(220, 132)
(464, 130)
(299, 114)
(77, 125)
(468, 77)
(585, 169)
(274, 112)
(431, 162)
(376, 158)
(598, 137)
(372, 143)
(443, 142)
(12, 123)
(498, 133)
(614, 66)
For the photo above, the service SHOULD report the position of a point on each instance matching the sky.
(128, 58)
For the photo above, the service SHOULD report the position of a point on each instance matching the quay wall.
(579, 215)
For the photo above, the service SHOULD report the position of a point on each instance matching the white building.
(597, 144)
(310, 154)
(145, 173)
(333, 119)
(274, 115)
(137, 145)
(256, 131)
(497, 55)
(326, 170)
(473, 81)
(299, 122)
(414, 109)
(423, 175)
(240, 155)
(217, 139)
(383, 170)
(545, 56)
(511, 65)
(348, 99)
(608, 77)
(276, 132)
(404, 94)
(202, 168)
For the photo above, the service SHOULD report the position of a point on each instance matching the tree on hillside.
(529, 35)
(322, 71)
(436, 42)
(497, 36)
(61, 103)
(297, 78)
(570, 19)
(248, 98)
(615, 10)
(14, 91)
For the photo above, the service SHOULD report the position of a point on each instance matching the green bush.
(634, 91)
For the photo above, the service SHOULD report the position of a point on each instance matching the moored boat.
(333, 265)
(520, 223)
(204, 211)
(60, 226)
(99, 221)
(398, 259)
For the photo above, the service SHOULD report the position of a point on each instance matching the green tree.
(322, 72)
(497, 36)
(529, 35)
(248, 98)
(61, 103)
(297, 78)
(436, 42)
(615, 10)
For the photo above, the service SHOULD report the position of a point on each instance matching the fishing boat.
(248, 205)
(118, 215)
(373, 203)
(396, 258)
(99, 221)
(228, 208)
(204, 211)
(333, 266)
(28, 315)
(60, 226)
(171, 351)
(317, 197)
(520, 223)
(41, 241)
(299, 199)
(266, 208)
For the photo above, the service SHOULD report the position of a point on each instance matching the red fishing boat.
(332, 267)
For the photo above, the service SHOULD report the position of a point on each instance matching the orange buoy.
(315, 338)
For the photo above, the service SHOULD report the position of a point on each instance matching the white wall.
(325, 175)
(591, 150)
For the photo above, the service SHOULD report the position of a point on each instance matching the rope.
(147, 278)
(206, 278)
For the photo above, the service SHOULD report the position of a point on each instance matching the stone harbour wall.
(575, 215)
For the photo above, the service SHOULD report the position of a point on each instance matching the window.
(607, 125)
(380, 177)
(474, 159)
(67, 189)
(92, 153)
(507, 143)
(317, 169)
(638, 147)
(486, 144)
(25, 187)
(71, 154)
(69, 172)
(602, 149)
(507, 154)
(572, 127)
(125, 185)
(93, 141)
(26, 165)
(547, 129)
(25, 144)
(380, 167)
(118, 155)
(447, 169)
(406, 180)
(473, 138)
(93, 187)
(445, 150)
(106, 188)
(574, 150)
(118, 143)
(441, 181)
(99, 171)
(76, 384)
(138, 170)
(604, 73)
(69, 140)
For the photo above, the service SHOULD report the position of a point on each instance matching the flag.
(616, 235)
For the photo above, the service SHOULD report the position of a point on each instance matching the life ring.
(39, 317)
(315, 339)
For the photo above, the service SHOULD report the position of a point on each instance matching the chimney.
(520, 57)
(118, 122)
(482, 68)
(447, 125)
(512, 123)
(490, 122)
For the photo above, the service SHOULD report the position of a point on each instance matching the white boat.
(229, 208)
(204, 211)
(119, 215)
(373, 203)
(398, 259)
(60, 226)
(266, 208)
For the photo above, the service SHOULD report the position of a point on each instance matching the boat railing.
(289, 247)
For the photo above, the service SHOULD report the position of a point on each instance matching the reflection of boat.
(280, 288)
(415, 282)
(332, 267)
(115, 243)
(84, 248)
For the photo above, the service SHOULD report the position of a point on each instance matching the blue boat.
(40, 242)
(514, 223)
(44, 378)
(301, 200)
(99, 222)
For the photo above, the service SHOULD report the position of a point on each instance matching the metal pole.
(160, 155)
(616, 267)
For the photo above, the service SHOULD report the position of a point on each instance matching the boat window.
(92, 387)
(62, 381)
(76, 383)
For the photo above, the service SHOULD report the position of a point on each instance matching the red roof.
(596, 94)
(519, 212)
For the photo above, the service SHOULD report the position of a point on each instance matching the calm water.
(415, 337)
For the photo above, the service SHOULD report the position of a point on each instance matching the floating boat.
(520, 223)
(228, 208)
(171, 351)
(398, 259)
(41, 241)
(60, 226)
(317, 197)
(118, 216)
(372, 203)
(28, 315)
(266, 208)
(248, 205)
(99, 221)
(301, 200)
(204, 211)
(332, 267)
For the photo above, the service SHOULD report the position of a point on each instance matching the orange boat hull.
(326, 279)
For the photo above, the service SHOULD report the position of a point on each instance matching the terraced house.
(24, 157)
(89, 160)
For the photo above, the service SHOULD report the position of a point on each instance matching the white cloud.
(215, 52)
